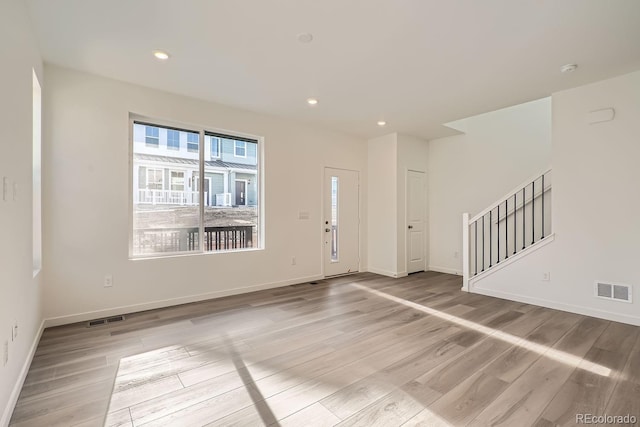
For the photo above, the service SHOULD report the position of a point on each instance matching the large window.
(191, 204)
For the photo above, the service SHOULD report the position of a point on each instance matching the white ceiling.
(414, 63)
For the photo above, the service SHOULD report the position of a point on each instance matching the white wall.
(382, 213)
(87, 200)
(468, 172)
(412, 155)
(19, 290)
(596, 201)
(389, 158)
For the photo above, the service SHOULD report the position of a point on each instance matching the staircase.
(507, 230)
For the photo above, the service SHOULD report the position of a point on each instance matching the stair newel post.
(465, 252)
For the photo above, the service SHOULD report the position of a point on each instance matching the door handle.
(410, 227)
(327, 230)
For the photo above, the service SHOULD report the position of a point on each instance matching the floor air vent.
(613, 292)
(99, 322)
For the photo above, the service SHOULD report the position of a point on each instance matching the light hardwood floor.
(361, 350)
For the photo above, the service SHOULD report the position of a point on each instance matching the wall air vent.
(98, 322)
(613, 291)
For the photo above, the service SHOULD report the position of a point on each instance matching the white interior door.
(341, 224)
(416, 218)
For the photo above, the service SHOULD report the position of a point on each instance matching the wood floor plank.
(314, 415)
(586, 391)
(448, 375)
(467, 399)
(121, 418)
(393, 410)
(524, 400)
(53, 402)
(93, 411)
(626, 395)
(349, 400)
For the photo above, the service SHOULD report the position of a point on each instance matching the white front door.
(416, 227)
(341, 223)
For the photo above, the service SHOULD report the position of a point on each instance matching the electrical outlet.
(546, 276)
(108, 281)
(293, 260)
(5, 353)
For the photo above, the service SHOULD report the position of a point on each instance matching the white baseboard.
(90, 315)
(587, 311)
(15, 393)
(387, 273)
(445, 270)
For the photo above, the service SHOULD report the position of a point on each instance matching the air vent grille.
(612, 291)
(604, 290)
(98, 322)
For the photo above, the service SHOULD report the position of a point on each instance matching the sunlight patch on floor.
(549, 352)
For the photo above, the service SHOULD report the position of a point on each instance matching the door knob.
(327, 230)
(410, 227)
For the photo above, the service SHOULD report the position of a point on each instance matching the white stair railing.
(512, 224)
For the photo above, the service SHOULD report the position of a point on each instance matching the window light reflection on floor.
(543, 350)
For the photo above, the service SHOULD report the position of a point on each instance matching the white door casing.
(341, 222)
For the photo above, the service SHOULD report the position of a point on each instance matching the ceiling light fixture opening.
(569, 68)
(305, 37)
(312, 101)
(382, 123)
(161, 55)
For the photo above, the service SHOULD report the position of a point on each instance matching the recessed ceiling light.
(305, 37)
(312, 101)
(161, 55)
(382, 123)
(569, 68)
